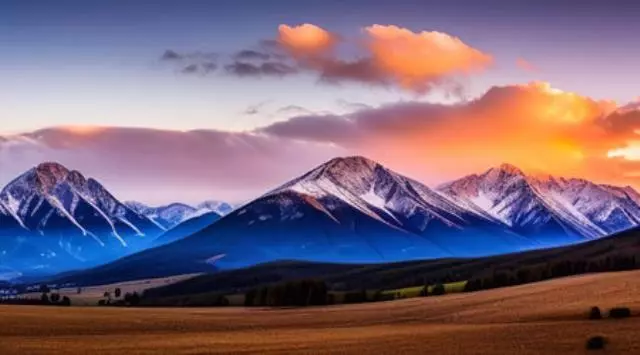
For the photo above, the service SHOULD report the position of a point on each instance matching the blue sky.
(97, 62)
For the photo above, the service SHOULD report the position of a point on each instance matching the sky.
(191, 100)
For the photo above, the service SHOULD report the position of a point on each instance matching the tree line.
(289, 294)
(546, 271)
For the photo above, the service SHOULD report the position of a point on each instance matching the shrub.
(220, 300)
(473, 285)
(102, 303)
(331, 298)
(132, 299)
(118, 292)
(66, 301)
(438, 290)
(619, 312)
(293, 293)
(596, 342)
(250, 297)
(425, 291)
(595, 313)
(355, 297)
(55, 297)
(383, 296)
(44, 298)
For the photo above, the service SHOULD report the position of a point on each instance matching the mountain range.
(54, 219)
(347, 210)
(169, 216)
(553, 210)
(354, 210)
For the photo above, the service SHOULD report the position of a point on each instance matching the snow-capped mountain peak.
(49, 175)
(173, 214)
(353, 173)
(378, 192)
(531, 202)
(507, 168)
(219, 207)
(72, 215)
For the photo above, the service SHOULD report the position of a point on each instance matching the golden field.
(542, 318)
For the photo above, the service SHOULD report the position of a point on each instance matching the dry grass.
(90, 296)
(542, 318)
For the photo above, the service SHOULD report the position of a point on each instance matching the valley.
(545, 317)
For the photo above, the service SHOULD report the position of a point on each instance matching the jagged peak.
(544, 177)
(52, 168)
(342, 167)
(503, 169)
(352, 161)
(510, 169)
(49, 174)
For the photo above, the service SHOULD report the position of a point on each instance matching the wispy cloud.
(250, 54)
(192, 62)
(526, 65)
(294, 110)
(256, 108)
(388, 56)
(265, 69)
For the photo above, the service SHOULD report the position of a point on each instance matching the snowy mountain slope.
(186, 228)
(405, 204)
(611, 208)
(169, 216)
(558, 210)
(346, 210)
(66, 221)
(219, 207)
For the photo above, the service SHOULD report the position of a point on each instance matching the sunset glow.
(434, 93)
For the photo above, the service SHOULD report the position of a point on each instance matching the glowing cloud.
(387, 56)
(415, 60)
(383, 55)
(83, 130)
(305, 38)
(535, 126)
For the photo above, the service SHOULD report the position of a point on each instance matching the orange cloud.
(383, 55)
(415, 59)
(83, 130)
(306, 39)
(534, 126)
(526, 65)
(391, 56)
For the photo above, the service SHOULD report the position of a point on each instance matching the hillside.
(397, 275)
